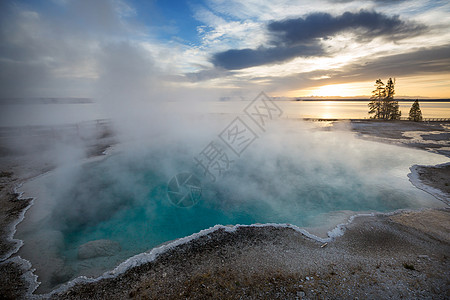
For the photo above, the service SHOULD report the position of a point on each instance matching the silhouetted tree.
(415, 114)
(383, 105)
(377, 96)
(392, 108)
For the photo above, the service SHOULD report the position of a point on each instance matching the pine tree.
(383, 105)
(377, 97)
(391, 109)
(395, 112)
(415, 114)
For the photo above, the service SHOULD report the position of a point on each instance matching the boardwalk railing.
(299, 117)
(436, 119)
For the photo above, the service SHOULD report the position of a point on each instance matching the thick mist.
(293, 173)
(104, 103)
(156, 122)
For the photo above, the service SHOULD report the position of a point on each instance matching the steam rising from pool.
(292, 174)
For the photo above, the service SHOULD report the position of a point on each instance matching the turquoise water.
(139, 221)
(133, 207)
(298, 180)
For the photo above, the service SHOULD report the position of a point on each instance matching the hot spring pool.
(307, 180)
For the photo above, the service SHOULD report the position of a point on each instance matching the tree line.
(383, 106)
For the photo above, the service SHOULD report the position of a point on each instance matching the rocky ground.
(12, 283)
(399, 256)
(10, 211)
(437, 177)
(377, 257)
(24, 154)
(431, 136)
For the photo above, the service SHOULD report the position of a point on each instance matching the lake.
(55, 114)
(337, 109)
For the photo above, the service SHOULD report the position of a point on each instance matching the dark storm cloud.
(323, 25)
(238, 59)
(301, 37)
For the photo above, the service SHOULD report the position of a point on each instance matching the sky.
(76, 48)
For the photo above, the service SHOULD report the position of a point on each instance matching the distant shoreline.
(366, 100)
(75, 100)
(55, 100)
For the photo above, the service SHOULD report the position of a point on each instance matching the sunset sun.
(342, 90)
(333, 90)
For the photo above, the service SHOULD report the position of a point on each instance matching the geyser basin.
(88, 219)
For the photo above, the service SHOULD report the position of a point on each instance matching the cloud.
(376, 1)
(55, 52)
(239, 59)
(301, 37)
(323, 25)
(207, 74)
(421, 61)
